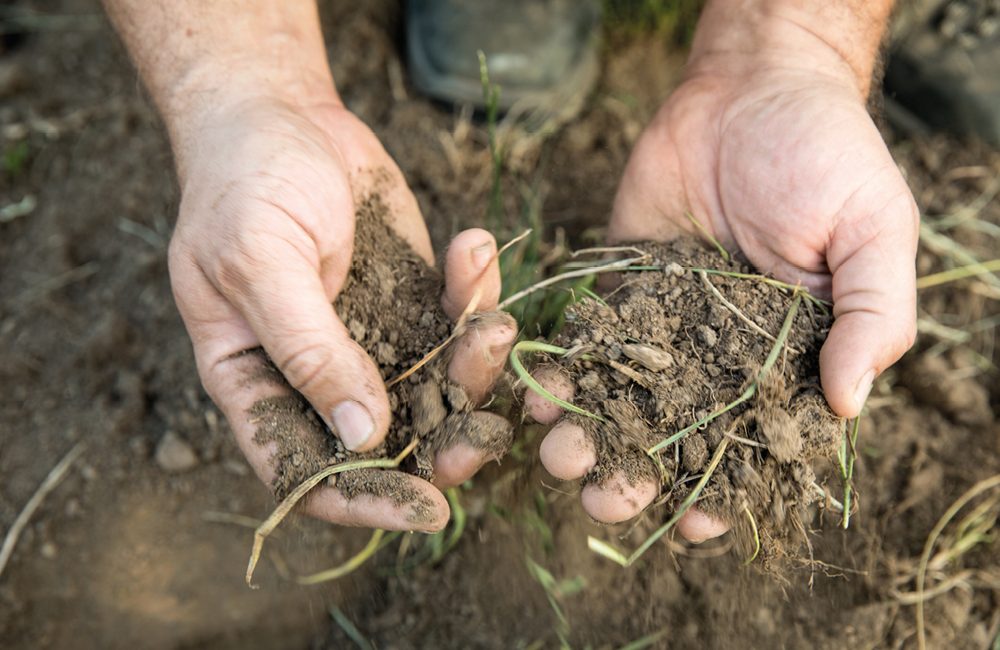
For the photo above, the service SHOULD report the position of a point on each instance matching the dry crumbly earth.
(128, 551)
(391, 305)
(674, 346)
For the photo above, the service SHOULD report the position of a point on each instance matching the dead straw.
(959, 273)
(289, 502)
(990, 483)
(619, 265)
(54, 477)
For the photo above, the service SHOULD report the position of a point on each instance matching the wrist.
(216, 92)
(838, 40)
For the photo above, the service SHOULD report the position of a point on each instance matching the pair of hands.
(780, 163)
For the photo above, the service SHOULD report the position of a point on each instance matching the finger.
(457, 464)
(483, 437)
(554, 380)
(616, 499)
(697, 527)
(425, 508)
(567, 452)
(471, 266)
(239, 384)
(280, 294)
(480, 355)
(871, 258)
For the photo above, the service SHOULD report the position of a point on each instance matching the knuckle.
(305, 366)
(233, 263)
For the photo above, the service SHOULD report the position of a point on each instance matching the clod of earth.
(684, 344)
(390, 304)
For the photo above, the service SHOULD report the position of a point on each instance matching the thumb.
(282, 297)
(872, 260)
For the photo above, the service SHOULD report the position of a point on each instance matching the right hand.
(262, 247)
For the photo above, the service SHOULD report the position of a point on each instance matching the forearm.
(835, 36)
(196, 56)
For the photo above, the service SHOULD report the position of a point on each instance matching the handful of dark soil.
(674, 346)
(391, 305)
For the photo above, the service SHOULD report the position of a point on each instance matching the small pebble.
(674, 269)
(48, 550)
(652, 358)
(707, 336)
(174, 454)
(357, 330)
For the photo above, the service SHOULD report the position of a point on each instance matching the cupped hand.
(784, 164)
(262, 247)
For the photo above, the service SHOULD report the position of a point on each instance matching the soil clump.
(664, 350)
(391, 305)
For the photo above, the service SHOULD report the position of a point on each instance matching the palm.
(772, 169)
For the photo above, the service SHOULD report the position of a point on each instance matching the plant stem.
(766, 280)
(348, 566)
(530, 382)
(991, 483)
(610, 552)
(847, 455)
(704, 231)
(756, 536)
(303, 489)
(959, 273)
(620, 265)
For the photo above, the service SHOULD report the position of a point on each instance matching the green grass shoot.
(700, 227)
(529, 381)
(610, 552)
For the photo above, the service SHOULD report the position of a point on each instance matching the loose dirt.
(391, 305)
(665, 351)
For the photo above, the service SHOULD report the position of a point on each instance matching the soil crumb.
(662, 351)
(390, 304)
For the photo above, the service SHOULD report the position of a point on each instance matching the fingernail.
(354, 424)
(482, 254)
(864, 387)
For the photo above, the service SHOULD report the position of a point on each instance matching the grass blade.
(530, 382)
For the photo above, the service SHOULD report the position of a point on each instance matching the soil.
(391, 306)
(663, 351)
(130, 552)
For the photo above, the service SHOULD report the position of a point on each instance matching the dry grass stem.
(286, 506)
(347, 567)
(991, 483)
(620, 265)
(756, 536)
(739, 314)
(55, 475)
(750, 390)
(977, 269)
(232, 518)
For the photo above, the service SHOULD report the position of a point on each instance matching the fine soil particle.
(662, 351)
(390, 304)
